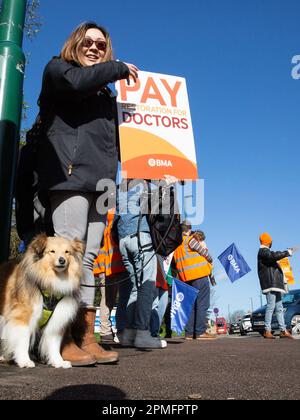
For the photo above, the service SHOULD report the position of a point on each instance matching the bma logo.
(160, 163)
(177, 304)
(234, 263)
(180, 297)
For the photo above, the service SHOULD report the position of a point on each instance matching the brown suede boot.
(269, 336)
(286, 334)
(72, 353)
(83, 333)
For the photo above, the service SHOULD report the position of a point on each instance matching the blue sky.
(236, 56)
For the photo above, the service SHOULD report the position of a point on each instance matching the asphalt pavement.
(230, 368)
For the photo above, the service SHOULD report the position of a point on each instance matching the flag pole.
(12, 66)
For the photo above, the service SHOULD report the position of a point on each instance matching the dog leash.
(139, 271)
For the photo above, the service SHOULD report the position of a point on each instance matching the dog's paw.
(62, 365)
(28, 364)
(67, 365)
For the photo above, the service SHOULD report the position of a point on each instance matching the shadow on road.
(87, 392)
(175, 341)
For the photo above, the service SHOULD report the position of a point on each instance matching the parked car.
(221, 326)
(291, 304)
(234, 328)
(246, 325)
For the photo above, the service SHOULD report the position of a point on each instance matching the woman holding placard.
(79, 148)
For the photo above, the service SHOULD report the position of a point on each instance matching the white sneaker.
(164, 344)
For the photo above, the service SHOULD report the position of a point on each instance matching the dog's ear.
(78, 247)
(38, 245)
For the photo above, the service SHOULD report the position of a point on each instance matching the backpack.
(33, 213)
(161, 208)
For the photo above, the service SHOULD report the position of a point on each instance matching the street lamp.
(12, 66)
(252, 306)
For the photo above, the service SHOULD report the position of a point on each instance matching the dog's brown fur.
(41, 268)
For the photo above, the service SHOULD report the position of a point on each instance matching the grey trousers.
(74, 215)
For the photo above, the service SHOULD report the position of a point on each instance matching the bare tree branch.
(33, 22)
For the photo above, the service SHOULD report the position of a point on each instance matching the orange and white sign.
(156, 132)
(287, 270)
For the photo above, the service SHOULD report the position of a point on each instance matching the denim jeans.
(274, 303)
(123, 280)
(74, 215)
(136, 295)
(197, 323)
(159, 307)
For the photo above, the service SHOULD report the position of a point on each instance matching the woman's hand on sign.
(293, 250)
(133, 73)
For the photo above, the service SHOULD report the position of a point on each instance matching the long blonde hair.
(72, 47)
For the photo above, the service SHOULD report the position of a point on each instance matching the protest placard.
(287, 271)
(155, 126)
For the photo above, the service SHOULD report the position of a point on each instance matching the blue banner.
(234, 263)
(183, 300)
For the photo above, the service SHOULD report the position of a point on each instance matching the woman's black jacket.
(270, 274)
(79, 146)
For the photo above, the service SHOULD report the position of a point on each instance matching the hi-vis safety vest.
(99, 263)
(189, 264)
(109, 260)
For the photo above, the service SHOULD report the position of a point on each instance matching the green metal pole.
(12, 65)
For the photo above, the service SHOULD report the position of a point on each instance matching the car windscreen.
(291, 298)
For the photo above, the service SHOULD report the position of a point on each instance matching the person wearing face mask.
(272, 284)
(79, 148)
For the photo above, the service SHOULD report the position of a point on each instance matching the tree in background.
(33, 21)
(32, 27)
(237, 315)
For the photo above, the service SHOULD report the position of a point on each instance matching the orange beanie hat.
(265, 239)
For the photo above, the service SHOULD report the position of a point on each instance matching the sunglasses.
(100, 45)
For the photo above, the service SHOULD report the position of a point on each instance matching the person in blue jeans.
(136, 295)
(197, 323)
(274, 304)
(159, 308)
(273, 284)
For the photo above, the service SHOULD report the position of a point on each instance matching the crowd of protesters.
(73, 146)
(141, 310)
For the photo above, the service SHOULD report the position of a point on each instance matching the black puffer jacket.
(80, 146)
(270, 274)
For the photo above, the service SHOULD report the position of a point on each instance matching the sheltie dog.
(52, 265)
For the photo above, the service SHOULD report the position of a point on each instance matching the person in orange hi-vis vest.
(99, 263)
(110, 269)
(194, 267)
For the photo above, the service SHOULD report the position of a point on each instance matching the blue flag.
(234, 263)
(183, 300)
